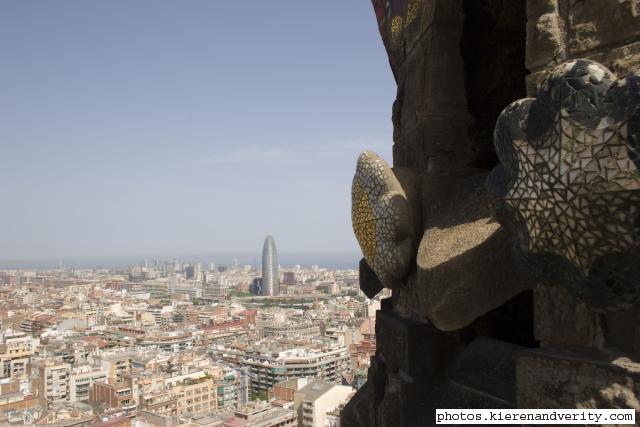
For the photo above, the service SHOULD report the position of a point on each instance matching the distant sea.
(338, 261)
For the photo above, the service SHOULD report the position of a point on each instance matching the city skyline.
(133, 130)
(286, 259)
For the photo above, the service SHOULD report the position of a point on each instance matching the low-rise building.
(53, 382)
(116, 364)
(285, 390)
(81, 381)
(16, 348)
(196, 395)
(159, 402)
(261, 414)
(115, 395)
(290, 329)
(267, 368)
(316, 399)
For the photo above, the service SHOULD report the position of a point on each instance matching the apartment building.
(159, 402)
(35, 323)
(13, 397)
(316, 399)
(290, 329)
(268, 368)
(196, 395)
(259, 414)
(168, 342)
(117, 364)
(228, 390)
(116, 395)
(285, 390)
(53, 382)
(81, 381)
(16, 348)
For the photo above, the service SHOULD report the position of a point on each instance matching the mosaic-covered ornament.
(381, 219)
(568, 185)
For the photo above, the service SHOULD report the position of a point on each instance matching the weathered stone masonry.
(513, 257)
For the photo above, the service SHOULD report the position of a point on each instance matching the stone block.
(550, 378)
(377, 377)
(596, 24)
(369, 282)
(621, 331)
(441, 58)
(443, 12)
(432, 143)
(417, 18)
(561, 320)
(418, 349)
(412, 23)
(622, 61)
(545, 39)
(386, 304)
(436, 54)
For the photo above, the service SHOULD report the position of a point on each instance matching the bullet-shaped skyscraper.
(270, 278)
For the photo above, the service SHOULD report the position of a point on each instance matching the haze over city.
(134, 131)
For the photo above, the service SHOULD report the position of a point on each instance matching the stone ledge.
(558, 378)
(561, 320)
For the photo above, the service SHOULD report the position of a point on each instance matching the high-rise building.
(270, 279)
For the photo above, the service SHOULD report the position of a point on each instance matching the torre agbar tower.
(270, 282)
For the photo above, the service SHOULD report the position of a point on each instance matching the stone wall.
(598, 352)
(474, 320)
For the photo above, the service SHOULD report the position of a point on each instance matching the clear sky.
(144, 128)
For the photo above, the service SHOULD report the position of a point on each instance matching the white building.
(316, 399)
(81, 380)
(53, 382)
(370, 307)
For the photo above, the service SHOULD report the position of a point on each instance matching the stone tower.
(508, 225)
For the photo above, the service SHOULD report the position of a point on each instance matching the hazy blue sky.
(133, 128)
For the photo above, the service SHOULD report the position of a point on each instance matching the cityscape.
(175, 236)
(173, 343)
(370, 213)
